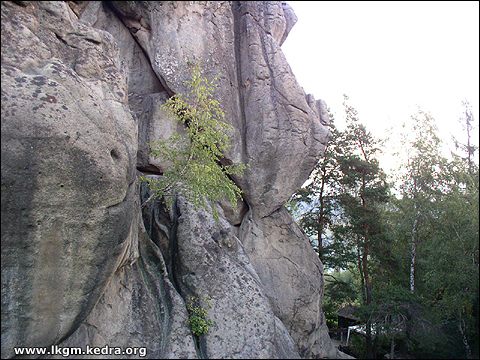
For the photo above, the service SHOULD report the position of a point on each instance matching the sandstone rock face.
(279, 126)
(139, 307)
(240, 44)
(210, 262)
(83, 85)
(145, 91)
(281, 255)
(177, 34)
(68, 165)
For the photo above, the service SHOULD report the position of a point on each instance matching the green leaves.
(368, 232)
(197, 169)
(198, 322)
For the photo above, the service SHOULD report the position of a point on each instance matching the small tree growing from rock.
(197, 170)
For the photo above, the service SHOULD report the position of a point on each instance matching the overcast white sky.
(388, 57)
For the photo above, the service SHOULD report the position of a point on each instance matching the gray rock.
(210, 263)
(177, 34)
(319, 107)
(155, 124)
(234, 214)
(283, 136)
(145, 91)
(68, 147)
(290, 19)
(240, 44)
(281, 254)
(140, 308)
(82, 89)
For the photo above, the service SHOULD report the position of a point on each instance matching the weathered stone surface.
(281, 254)
(139, 307)
(290, 19)
(145, 91)
(210, 263)
(82, 89)
(240, 44)
(319, 107)
(177, 34)
(283, 136)
(234, 214)
(68, 163)
(154, 123)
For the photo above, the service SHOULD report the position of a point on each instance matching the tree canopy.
(405, 253)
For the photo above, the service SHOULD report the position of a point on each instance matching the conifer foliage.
(405, 253)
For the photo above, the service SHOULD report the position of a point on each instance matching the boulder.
(239, 44)
(283, 136)
(139, 308)
(210, 263)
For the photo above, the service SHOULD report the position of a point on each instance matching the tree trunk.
(470, 151)
(321, 215)
(366, 275)
(461, 327)
(413, 250)
(368, 299)
(362, 279)
(392, 348)
(321, 220)
(364, 270)
(368, 332)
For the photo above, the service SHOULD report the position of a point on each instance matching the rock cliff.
(82, 264)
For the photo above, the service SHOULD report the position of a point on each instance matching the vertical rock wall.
(68, 166)
(82, 89)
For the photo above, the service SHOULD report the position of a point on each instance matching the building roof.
(348, 312)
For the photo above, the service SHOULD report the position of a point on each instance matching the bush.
(198, 322)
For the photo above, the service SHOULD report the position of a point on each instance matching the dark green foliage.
(409, 262)
(315, 205)
(340, 290)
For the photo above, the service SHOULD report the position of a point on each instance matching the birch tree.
(421, 180)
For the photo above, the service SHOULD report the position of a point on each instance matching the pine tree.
(315, 203)
(467, 147)
(363, 191)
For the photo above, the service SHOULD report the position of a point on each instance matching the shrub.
(198, 322)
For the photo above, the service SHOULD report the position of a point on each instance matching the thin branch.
(336, 280)
(148, 200)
